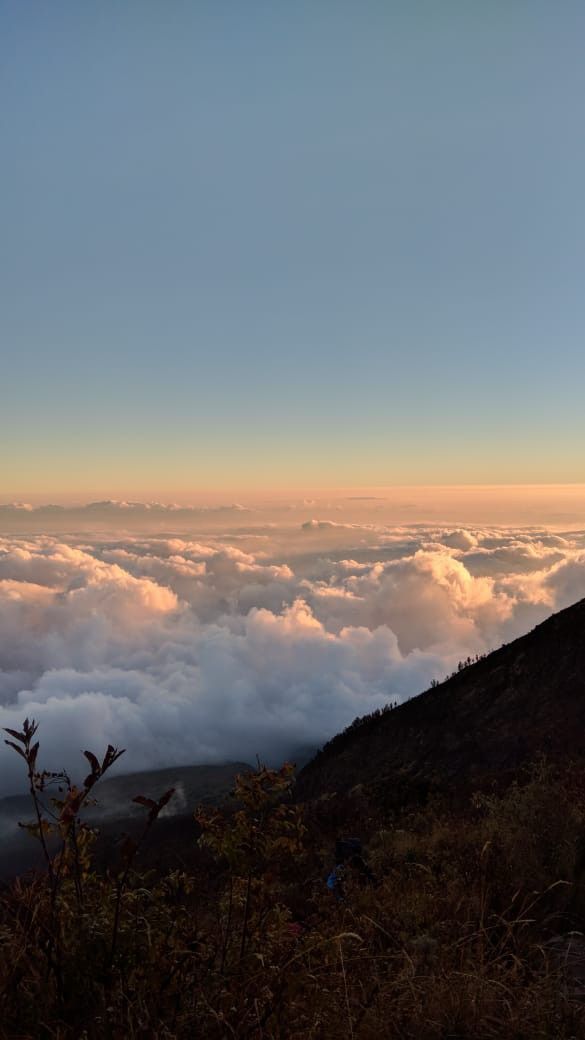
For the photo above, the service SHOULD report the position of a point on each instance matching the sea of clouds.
(216, 644)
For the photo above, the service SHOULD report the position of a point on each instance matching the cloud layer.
(211, 647)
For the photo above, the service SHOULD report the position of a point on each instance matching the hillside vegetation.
(479, 726)
(463, 922)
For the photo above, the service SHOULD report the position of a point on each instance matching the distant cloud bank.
(208, 646)
(113, 506)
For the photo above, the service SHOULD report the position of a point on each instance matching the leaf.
(29, 728)
(14, 733)
(146, 802)
(35, 830)
(91, 758)
(166, 798)
(112, 755)
(16, 747)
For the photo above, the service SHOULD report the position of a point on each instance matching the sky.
(261, 246)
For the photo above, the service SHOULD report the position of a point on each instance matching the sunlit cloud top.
(189, 647)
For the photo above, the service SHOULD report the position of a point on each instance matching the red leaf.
(147, 802)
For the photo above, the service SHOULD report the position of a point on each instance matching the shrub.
(456, 937)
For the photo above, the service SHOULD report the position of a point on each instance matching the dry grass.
(462, 935)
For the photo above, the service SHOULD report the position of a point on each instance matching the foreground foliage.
(469, 929)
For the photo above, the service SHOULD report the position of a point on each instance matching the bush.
(457, 936)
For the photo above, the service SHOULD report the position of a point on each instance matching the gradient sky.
(275, 244)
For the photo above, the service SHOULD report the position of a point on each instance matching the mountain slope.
(525, 699)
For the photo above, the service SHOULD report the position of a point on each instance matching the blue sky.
(290, 243)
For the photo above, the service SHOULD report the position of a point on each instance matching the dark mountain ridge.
(479, 726)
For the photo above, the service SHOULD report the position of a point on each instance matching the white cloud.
(189, 649)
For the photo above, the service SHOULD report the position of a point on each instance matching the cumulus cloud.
(460, 538)
(16, 507)
(329, 525)
(194, 649)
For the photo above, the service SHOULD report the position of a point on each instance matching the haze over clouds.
(213, 644)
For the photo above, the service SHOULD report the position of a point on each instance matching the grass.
(463, 934)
